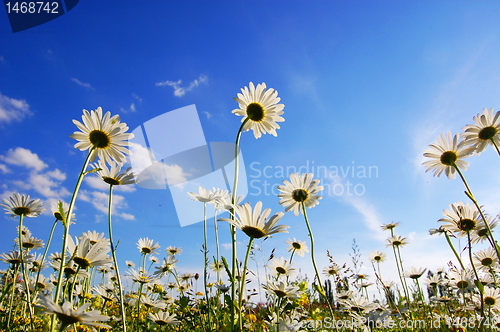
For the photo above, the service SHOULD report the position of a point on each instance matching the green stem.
(67, 223)
(469, 194)
(23, 270)
(44, 255)
(232, 227)
(454, 250)
(242, 282)
(496, 146)
(11, 301)
(478, 281)
(217, 255)
(115, 261)
(314, 260)
(205, 260)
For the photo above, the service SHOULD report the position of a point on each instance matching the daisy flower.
(112, 175)
(141, 277)
(56, 211)
(261, 108)
(388, 227)
(68, 316)
(282, 289)
(396, 241)
(279, 267)
(106, 134)
(204, 195)
(491, 298)
(173, 250)
(377, 256)
(447, 155)
(486, 259)
(88, 255)
(332, 270)
(462, 280)
(297, 246)
(460, 218)
(254, 223)
(414, 273)
(163, 318)
(21, 205)
(30, 242)
(14, 257)
(300, 189)
(146, 246)
(484, 131)
(481, 233)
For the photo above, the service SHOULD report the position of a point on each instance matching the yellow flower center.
(448, 158)
(279, 293)
(486, 261)
(28, 245)
(487, 133)
(466, 225)
(82, 262)
(300, 195)
(462, 284)
(111, 181)
(67, 319)
(255, 112)
(281, 270)
(146, 250)
(99, 139)
(296, 246)
(490, 300)
(253, 232)
(22, 210)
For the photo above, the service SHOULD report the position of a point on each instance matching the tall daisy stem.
(67, 223)
(469, 194)
(115, 261)
(454, 250)
(242, 282)
(23, 270)
(232, 227)
(205, 261)
(320, 285)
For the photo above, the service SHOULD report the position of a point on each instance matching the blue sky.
(366, 84)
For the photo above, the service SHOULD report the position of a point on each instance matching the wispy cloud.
(137, 97)
(369, 212)
(180, 91)
(131, 109)
(13, 109)
(80, 83)
(209, 115)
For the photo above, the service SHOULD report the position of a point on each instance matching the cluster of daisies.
(85, 288)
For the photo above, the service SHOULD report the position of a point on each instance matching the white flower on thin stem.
(484, 131)
(460, 218)
(300, 189)
(112, 175)
(163, 318)
(146, 246)
(280, 267)
(297, 246)
(255, 223)
(203, 195)
(68, 316)
(282, 289)
(414, 273)
(377, 256)
(446, 155)
(107, 134)
(21, 205)
(261, 107)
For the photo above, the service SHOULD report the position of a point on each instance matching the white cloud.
(46, 185)
(209, 115)
(131, 109)
(13, 109)
(23, 157)
(100, 201)
(80, 83)
(4, 168)
(180, 91)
